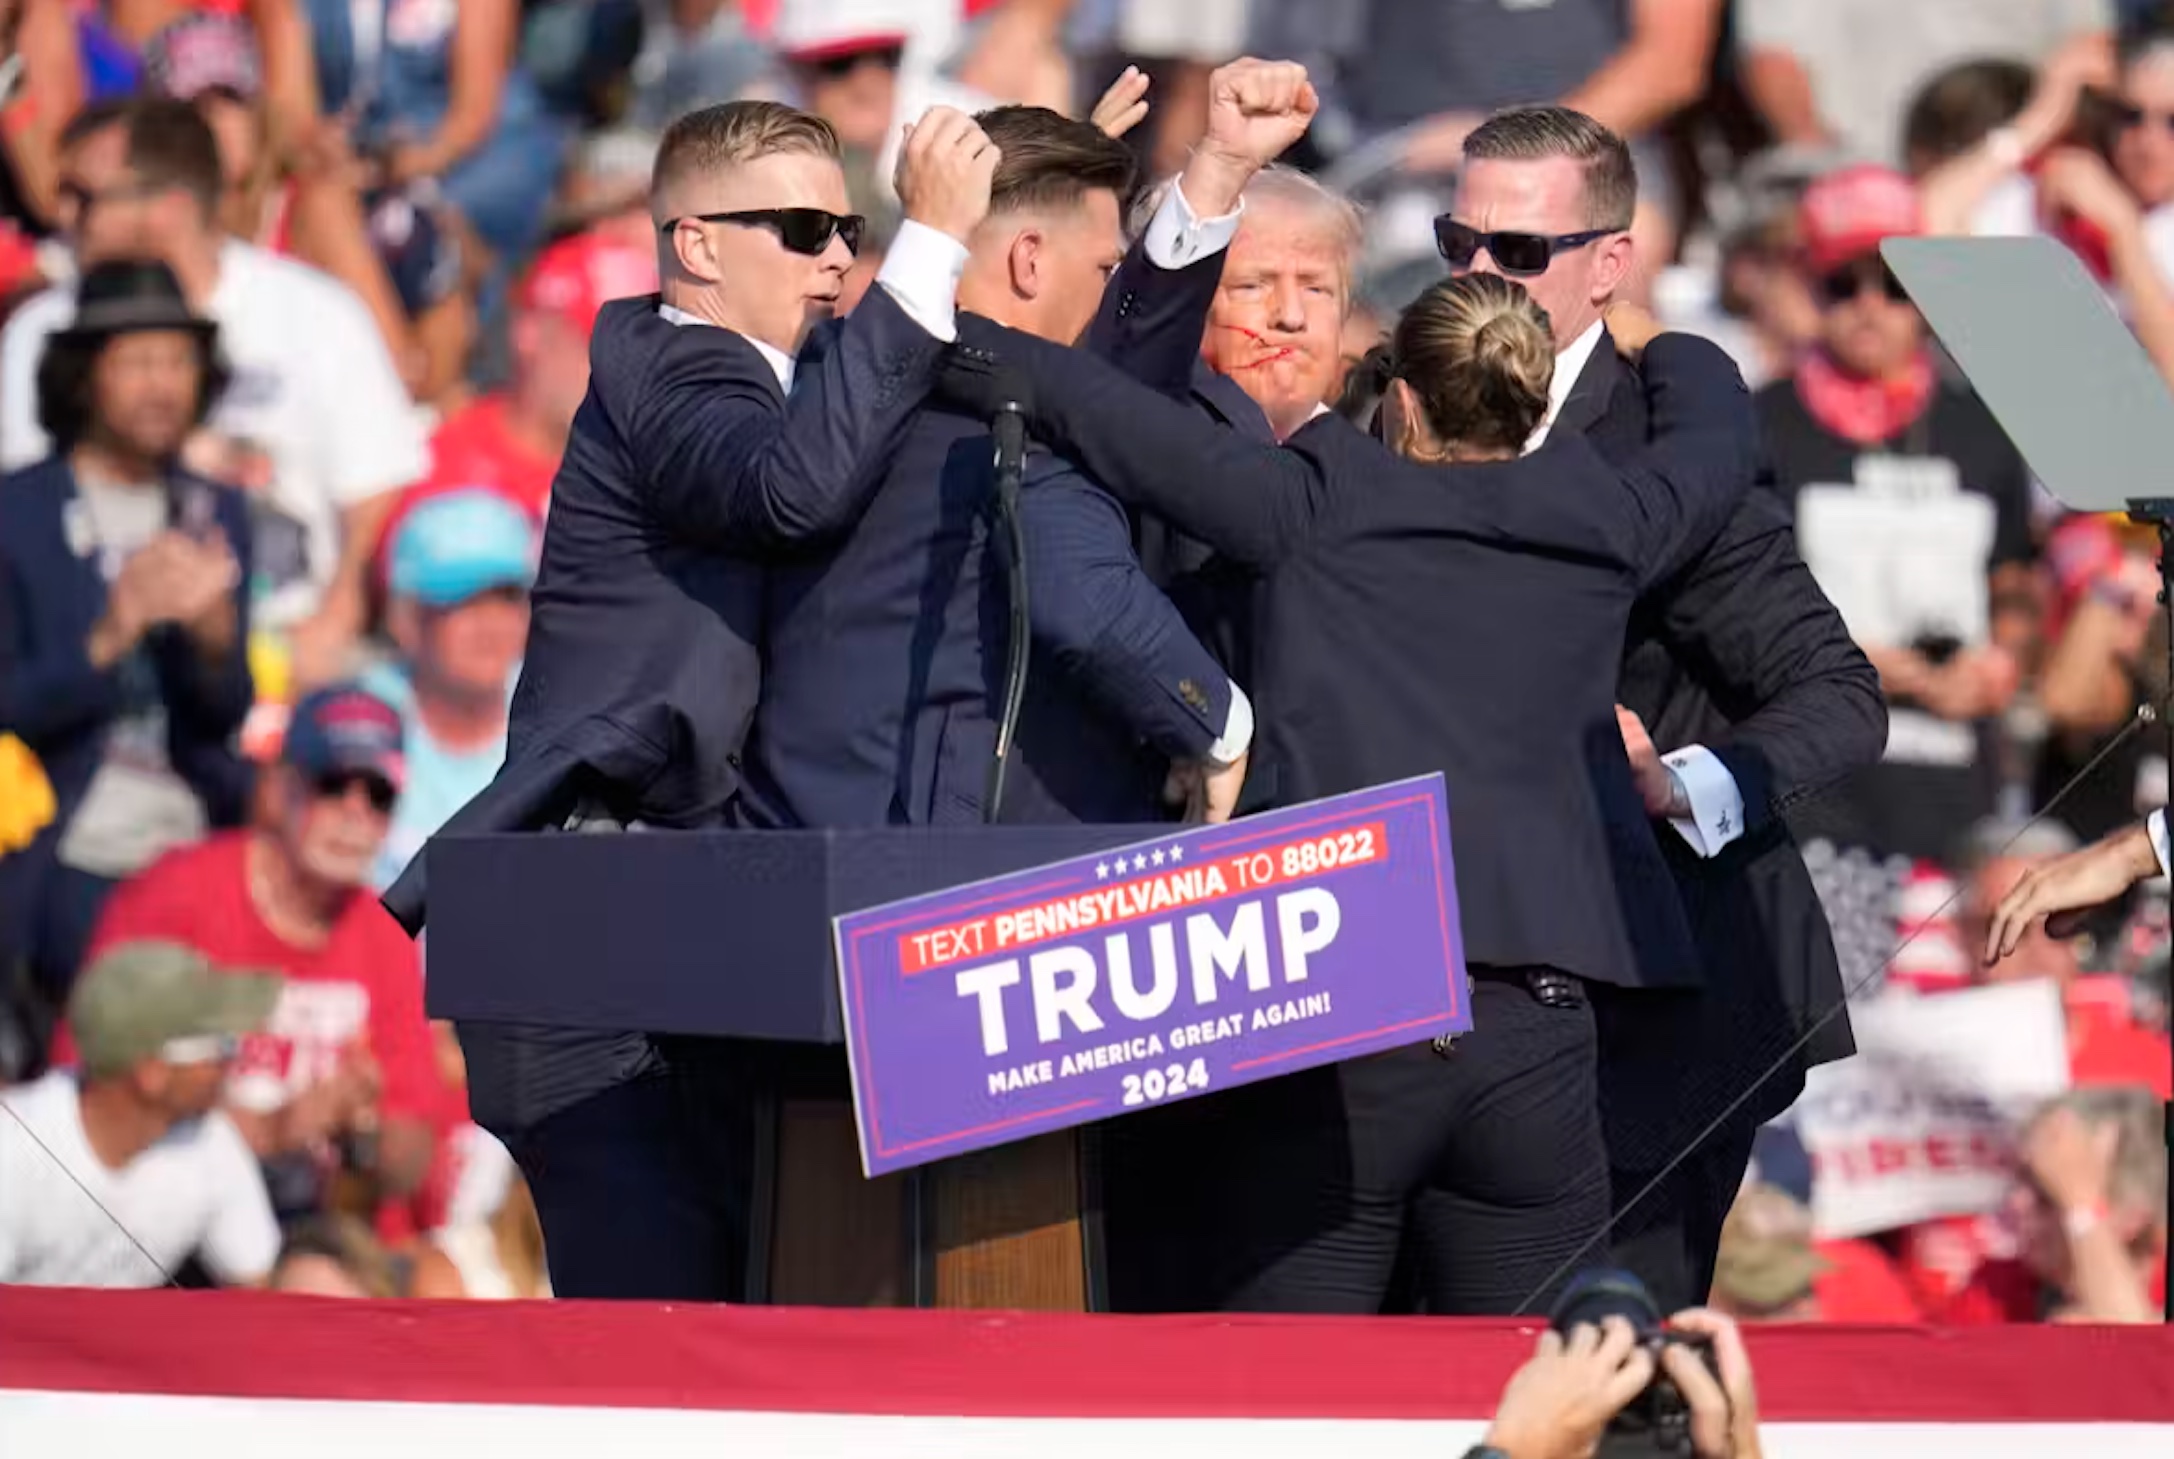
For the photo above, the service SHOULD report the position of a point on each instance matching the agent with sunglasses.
(729, 419)
(1741, 674)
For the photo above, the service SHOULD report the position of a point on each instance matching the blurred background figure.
(118, 1173)
(461, 567)
(123, 617)
(2091, 1205)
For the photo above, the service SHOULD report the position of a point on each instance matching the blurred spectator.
(510, 442)
(123, 615)
(429, 89)
(336, 1256)
(25, 197)
(1842, 73)
(343, 1076)
(606, 190)
(694, 53)
(462, 565)
(2091, 1205)
(1914, 511)
(2094, 170)
(316, 422)
(1767, 1270)
(403, 267)
(116, 1175)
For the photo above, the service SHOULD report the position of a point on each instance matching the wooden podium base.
(1005, 1228)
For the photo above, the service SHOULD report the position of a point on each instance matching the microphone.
(1009, 428)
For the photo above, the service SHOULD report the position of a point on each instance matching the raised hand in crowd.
(1123, 106)
(1724, 1414)
(1558, 1404)
(1256, 110)
(2070, 1161)
(944, 172)
(2071, 884)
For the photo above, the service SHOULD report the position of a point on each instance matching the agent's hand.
(1123, 106)
(1631, 327)
(1656, 787)
(1724, 1415)
(1558, 1404)
(1256, 109)
(944, 172)
(2070, 884)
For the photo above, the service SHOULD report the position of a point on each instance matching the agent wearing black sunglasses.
(708, 443)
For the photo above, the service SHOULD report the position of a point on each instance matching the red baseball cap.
(575, 277)
(1848, 214)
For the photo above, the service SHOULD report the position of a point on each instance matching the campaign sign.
(1194, 961)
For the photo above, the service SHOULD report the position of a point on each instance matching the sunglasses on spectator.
(1846, 283)
(2129, 116)
(802, 230)
(1520, 255)
(335, 784)
(838, 67)
(210, 1048)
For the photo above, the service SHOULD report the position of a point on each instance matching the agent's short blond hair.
(717, 137)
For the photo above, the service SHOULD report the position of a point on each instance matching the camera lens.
(1594, 1296)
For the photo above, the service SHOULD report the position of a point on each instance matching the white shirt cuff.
(1237, 729)
(1176, 237)
(2157, 826)
(922, 273)
(1717, 804)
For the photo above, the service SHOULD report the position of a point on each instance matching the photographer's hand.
(1724, 1415)
(1557, 1405)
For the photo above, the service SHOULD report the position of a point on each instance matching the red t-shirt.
(1862, 1284)
(475, 448)
(365, 984)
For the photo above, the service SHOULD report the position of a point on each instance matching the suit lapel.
(1597, 382)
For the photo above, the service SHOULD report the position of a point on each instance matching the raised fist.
(1257, 109)
(944, 172)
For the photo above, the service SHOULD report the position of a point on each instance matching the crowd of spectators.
(297, 298)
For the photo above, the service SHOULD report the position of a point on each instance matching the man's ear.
(692, 252)
(1023, 263)
(1612, 265)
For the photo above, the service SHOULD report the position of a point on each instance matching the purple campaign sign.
(1191, 962)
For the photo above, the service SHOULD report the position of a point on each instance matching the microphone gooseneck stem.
(1010, 432)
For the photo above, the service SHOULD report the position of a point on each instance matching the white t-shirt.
(314, 390)
(197, 1191)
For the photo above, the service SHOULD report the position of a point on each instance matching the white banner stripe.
(127, 1426)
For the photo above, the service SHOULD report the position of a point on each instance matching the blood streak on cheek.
(1270, 354)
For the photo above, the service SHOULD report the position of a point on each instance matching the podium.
(727, 934)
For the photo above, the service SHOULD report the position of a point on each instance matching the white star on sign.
(1157, 857)
(1177, 853)
(1102, 871)
(1139, 863)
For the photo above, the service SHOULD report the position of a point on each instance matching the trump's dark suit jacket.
(1466, 619)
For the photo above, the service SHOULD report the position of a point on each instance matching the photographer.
(1561, 1403)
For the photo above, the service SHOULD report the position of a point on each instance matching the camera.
(1658, 1420)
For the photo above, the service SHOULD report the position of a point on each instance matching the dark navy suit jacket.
(887, 656)
(51, 596)
(686, 466)
(1466, 619)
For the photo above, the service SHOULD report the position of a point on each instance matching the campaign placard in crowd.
(1190, 962)
(1922, 1122)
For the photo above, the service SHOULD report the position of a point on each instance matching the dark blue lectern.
(728, 934)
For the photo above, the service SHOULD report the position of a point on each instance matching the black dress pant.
(1293, 1195)
(1668, 1232)
(636, 1202)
